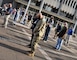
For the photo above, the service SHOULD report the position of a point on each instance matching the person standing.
(7, 14)
(61, 36)
(4, 9)
(35, 21)
(13, 13)
(29, 20)
(50, 23)
(38, 33)
(29, 17)
(69, 33)
(17, 15)
(57, 29)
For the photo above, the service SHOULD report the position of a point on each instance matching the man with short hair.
(7, 14)
(50, 23)
(38, 33)
(61, 36)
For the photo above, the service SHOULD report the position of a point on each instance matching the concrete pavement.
(13, 46)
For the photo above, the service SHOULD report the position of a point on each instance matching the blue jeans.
(23, 22)
(59, 43)
(46, 33)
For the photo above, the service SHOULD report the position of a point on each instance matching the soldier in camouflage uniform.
(38, 33)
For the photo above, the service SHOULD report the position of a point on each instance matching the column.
(65, 1)
(26, 11)
(41, 7)
(67, 6)
(75, 11)
(75, 14)
(70, 3)
(73, 3)
(60, 7)
(14, 4)
(75, 26)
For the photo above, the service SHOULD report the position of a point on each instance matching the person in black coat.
(61, 36)
(57, 29)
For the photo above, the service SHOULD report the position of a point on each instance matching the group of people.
(6, 11)
(16, 14)
(63, 33)
(40, 30)
(41, 27)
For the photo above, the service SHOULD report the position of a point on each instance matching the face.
(10, 5)
(64, 24)
(52, 17)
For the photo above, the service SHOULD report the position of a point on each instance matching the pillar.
(75, 14)
(75, 26)
(26, 11)
(70, 3)
(60, 6)
(73, 4)
(42, 4)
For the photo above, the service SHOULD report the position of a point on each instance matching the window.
(66, 1)
(74, 4)
(71, 3)
(60, 1)
(76, 7)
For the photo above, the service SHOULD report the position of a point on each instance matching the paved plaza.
(14, 41)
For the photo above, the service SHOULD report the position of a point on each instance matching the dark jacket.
(35, 21)
(62, 32)
(58, 28)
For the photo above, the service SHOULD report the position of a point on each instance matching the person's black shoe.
(29, 45)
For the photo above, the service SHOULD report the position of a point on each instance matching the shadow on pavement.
(13, 48)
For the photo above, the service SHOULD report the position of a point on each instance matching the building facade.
(63, 10)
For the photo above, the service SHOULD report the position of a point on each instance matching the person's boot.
(29, 45)
(31, 54)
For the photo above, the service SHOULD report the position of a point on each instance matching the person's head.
(26, 14)
(71, 27)
(4, 5)
(39, 15)
(59, 23)
(52, 17)
(10, 5)
(65, 24)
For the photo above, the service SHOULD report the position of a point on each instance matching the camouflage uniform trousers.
(35, 41)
